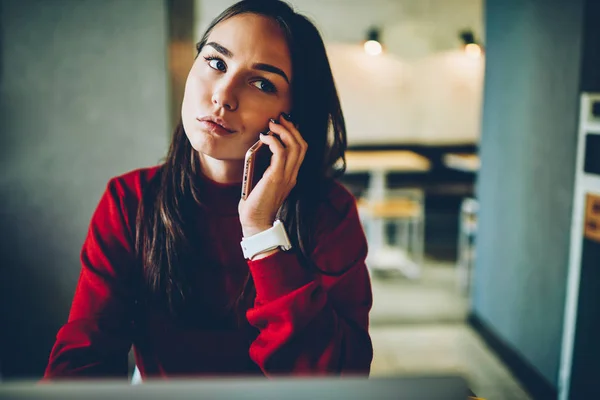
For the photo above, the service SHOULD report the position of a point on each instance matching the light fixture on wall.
(373, 45)
(470, 46)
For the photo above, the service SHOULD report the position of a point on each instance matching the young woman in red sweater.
(162, 265)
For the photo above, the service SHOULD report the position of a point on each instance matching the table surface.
(462, 161)
(386, 160)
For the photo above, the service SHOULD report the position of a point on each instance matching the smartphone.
(256, 162)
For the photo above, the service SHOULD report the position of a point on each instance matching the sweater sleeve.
(314, 323)
(96, 339)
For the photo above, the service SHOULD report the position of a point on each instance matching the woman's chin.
(210, 145)
(216, 152)
(201, 141)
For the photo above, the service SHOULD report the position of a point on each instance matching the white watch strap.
(267, 240)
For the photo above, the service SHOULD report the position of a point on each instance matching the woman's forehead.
(255, 37)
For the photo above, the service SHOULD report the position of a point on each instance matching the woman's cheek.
(262, 105)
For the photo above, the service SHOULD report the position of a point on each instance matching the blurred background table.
(465, 162)
(378, 207)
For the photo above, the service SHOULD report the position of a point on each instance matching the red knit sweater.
(303, 322)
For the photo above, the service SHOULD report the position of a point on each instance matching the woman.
(162, 265)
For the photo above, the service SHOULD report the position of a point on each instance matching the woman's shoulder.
(339, 238)
(338, 197)
(121, 199)
(336, 208)
(131, 184)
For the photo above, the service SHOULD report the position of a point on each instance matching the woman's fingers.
(289, 124)
(292, 148)
(276, 170)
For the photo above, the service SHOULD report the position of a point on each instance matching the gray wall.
(84, 96)
(590, 71)
(526, 183)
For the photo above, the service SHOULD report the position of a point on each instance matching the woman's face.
(240, 79)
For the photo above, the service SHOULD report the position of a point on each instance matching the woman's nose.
(224, 96)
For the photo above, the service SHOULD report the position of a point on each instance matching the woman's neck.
(221, 171)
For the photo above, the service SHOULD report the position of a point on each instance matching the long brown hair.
(166, 241)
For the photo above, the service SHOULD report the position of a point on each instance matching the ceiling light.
(372, 45)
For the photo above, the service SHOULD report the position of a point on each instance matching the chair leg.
(461, 265)
(403, 235)
(136, 379)
(418, 239)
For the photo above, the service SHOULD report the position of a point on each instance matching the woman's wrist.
(265, 254)
(252, 230)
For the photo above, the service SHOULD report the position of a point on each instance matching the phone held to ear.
(257, 160)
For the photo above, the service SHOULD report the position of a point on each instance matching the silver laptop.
(426, 388)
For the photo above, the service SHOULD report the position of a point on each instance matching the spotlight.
(473, 50)
(372, 45)
(470, 46)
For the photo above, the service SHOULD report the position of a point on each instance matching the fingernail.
(273, 121)
(265, 133)
(287, 116)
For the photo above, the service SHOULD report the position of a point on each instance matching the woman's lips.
(214, 128)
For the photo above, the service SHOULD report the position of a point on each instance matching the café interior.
(473, 151)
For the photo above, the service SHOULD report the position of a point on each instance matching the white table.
(462, 162)
(378, 164)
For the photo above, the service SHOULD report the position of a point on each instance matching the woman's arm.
(312, 323)
(97, 337)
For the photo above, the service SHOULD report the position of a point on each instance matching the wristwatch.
(272, 238)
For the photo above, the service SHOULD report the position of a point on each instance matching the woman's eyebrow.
(258, 66)
(220, 49)
(271, 68)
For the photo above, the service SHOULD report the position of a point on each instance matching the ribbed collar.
(220, 198)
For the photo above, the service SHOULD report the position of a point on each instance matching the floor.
(433, 299)
(418, 327)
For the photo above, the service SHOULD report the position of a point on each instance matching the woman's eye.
(265, 86)
(216, 63)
